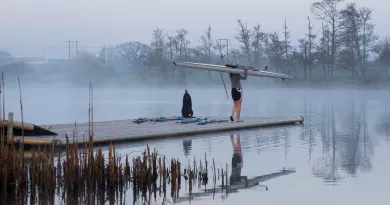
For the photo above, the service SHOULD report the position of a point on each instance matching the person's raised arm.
(239, 142)
(233, 143)
(243, 77)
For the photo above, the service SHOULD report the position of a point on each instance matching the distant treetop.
(5, 54)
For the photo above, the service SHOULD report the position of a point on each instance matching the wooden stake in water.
(2, 124)
(2, 87)
(92, 109)
(21, 109)
(226, 174)
(89, 112)
(21, 112)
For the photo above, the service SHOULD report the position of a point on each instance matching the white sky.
(42, 27)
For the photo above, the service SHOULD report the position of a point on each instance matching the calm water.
(340, 153)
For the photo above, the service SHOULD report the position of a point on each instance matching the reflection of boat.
(246, 183)
(243, 184)
(326, 168)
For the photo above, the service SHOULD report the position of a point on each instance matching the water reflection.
(187, 146)
(347, 144)
(383, 125)
(326, 167)
(237, 160)
(337, 141)
(221, 188)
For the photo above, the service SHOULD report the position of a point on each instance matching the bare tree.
(195, 54)
(136, 54)
(368, 36)
(171, 45)
(326, 10)
(244, 38)
(92, 66)
(182, 47)
(220, 47)
(357, 37)
(257, 44)
(158, 54)
(107, 55)
(207, 45)
(301, 55)
(349, 37)
(158, 43)
(274, 48)
(323, 50)
(310, 42)
(287, 48)
(182, 43)
(382, 48)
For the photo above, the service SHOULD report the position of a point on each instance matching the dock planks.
(126, 130)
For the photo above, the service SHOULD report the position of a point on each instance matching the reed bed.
(81, 176)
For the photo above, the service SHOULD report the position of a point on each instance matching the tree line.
(345, 46)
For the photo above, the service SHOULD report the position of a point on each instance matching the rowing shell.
(229, 69)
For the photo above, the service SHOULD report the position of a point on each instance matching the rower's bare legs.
(239, 111)
(234, 109)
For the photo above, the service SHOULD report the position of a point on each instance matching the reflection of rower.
(237, 161)
(187, 145)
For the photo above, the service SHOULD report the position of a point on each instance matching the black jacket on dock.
(186, 109)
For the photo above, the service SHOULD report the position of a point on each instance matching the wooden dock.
(126, 130)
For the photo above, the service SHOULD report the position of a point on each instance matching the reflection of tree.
(287, 143)
(356, 144)
(325, 130)
(351, 142)
(310, 129)
(311, 143)
(383, 126)
(368, 145)
(258, 141)
(326, 167)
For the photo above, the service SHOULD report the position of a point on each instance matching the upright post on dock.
(10, 131)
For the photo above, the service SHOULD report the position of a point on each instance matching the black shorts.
(236, 94)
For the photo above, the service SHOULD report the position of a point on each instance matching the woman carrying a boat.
(237, 93)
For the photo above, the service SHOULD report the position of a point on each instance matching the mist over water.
(339, 153)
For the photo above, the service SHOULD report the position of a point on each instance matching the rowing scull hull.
(226, 69)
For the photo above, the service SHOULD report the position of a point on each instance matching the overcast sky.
(42, 27)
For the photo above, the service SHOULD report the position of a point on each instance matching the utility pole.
(227, 60)
(69, 47)
(76, 48)
(227, 47)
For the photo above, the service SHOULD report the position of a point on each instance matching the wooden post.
(10, 127)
